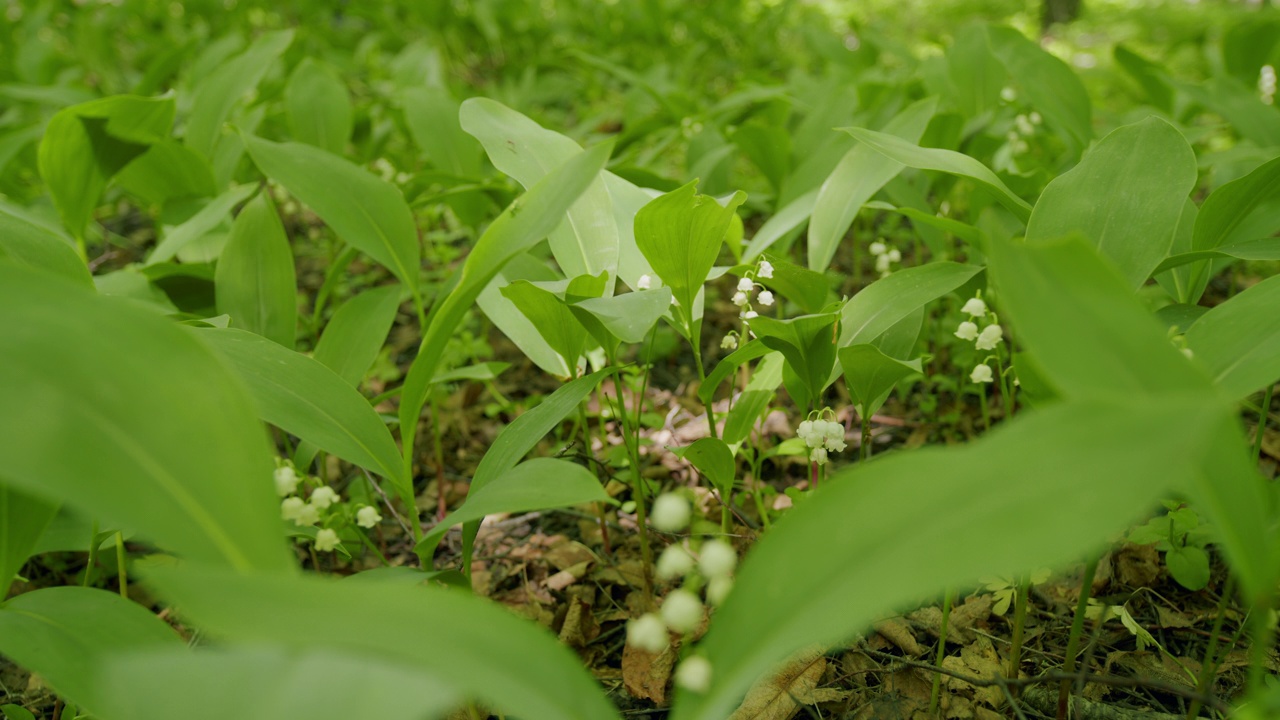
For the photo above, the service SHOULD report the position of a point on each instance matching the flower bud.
(674, 562)
(648, 633)
(765, 270)
(717, 558)
(694, 674)
(286, 480)
(368, 517)
(682, 611)
(644, 282)
(670, 513)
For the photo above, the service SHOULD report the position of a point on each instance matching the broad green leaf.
(1125, 197)
(586, 242)
(742, 417)
(1150, 77)
(1089, 334)
(859, 175)
(24, 243)
(270, 683)
(964, 231)
(365, 211)
(804, 287)
(170, 447)
(1238, 103)
(67, 634)
(317, 107)
(885, 302)
(1179, 282)
(303, 397)
(768, 147)
(974, 71)
(214, 213)
(13, 143)
(513, 323)
(523, 224)
(1265, 249)
(871, 374)
(680, 234)
(1048, 83)
(477, 372)
(432, 116)
(525, 432)
(23, 519)
(1189, 565)
(808, 344)
(217, 93)
(255, 280)
(628, 317)
(627, 200)
(948, 161)
(788, 218)
(714, 461)
(537, 484)
(356, 333)
(1242, 210)
(85, 145)
(1239, 340)
(509, 663)
(1097, 465)
(16, 712)
(168, 170)
(552, 318)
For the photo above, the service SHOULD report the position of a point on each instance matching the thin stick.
(1073, 640)
(942, 652)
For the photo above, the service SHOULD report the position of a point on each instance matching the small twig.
(386, 500)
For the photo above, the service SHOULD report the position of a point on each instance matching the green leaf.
(1048, 83)
(807, 343)
(303, 397)
(986, 519)
(356, 333)
(525, 432)
(1150, 77)
(515, 324)
(365, 211)
(1188, 565)
(728, 365)
(859, 175)
(255, 281)
(524, 223)
(85, 145)
(1088, 332)
(948, 161)
(680, 234)
(1239, 340)
(714, 460)
(803, 286)
(503, 660)
(885, 302)
(586, 242)
(1125, 197)
(221, 89)
(16, 712)
(23, 519)
(1242, 210)
(628, 317)
(167, 171)
(67, 634)
(214, 213)
(537, 484)
(317, 107)
(24, 243)
(432, 116)
(871, 374)
(270, 682)
(552, 319)
(788, 218)
(170, 446)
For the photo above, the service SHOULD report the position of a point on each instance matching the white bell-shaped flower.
(989, 337)
(974, 308)
(967, 330)
(644, 282)
(766, 298)
(765, 270)
(982, 374)
(326, 540)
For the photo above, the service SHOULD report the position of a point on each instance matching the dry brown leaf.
(781, 695)
(896, 631)
(1137, 565)
(1172, 618)
(974, 611)
(979, 660)
(646, 675)
(580, 626)
(568, 554)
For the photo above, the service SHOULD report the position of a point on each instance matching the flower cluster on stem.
(322, 507)
(742, 297)
(885, 257)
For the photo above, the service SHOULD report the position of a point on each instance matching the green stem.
(93, 553)
(1261, 637)
(1006, 397)
(702, 379)
(864, 449)
(1019, 626)
(1262, 422)
(1073, 640)
(369, 544)
(631, 439)
(442, 505)
(1208, 666)
(122, 573)
(586, 449)
(935, 694)
(982, 400)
